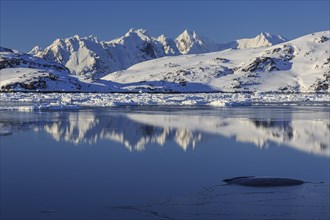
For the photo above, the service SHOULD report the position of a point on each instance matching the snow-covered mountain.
(189, 42)
(134, 47)
(93, 59)
(169, 45)
(83, 56)
(20, 71)
(300, 65)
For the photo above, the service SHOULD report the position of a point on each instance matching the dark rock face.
(321, 86)
(253, 181)
(36, 83)
(267, 64)
(149, 50)
(321, 39)
(18, 62)
(10, 63)
(285, 52)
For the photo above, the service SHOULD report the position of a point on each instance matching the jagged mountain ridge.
(300, 65)
(92, 58)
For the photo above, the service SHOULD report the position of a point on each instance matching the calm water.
(77, 164)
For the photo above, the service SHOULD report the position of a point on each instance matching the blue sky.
(25, 24)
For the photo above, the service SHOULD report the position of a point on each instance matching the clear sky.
(26, 23)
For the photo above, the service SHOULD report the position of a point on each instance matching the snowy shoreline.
(171, 92)
(77, 100)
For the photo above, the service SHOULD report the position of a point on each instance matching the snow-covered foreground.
(76, 100)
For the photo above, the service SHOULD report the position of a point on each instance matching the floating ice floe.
(55, 106)
(73, 100)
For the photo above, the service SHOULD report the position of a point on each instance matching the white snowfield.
(300, 65)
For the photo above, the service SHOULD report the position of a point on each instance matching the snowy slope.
(23, 72)
(300, 65)
(91, 58)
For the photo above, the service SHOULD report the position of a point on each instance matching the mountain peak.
(190, 42)
(134, 35)
(91, 38)
(76, 36)
(272, 38)
(136, 31)
(188, 34)
(265, 34)
(161, 38)
(35, 50)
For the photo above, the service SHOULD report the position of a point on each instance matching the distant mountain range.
(190, 63)
(92, 58)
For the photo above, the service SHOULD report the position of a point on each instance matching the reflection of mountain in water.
(311, 136)
(136, 131)
(89, 128)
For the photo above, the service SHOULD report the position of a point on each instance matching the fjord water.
(82, 164)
